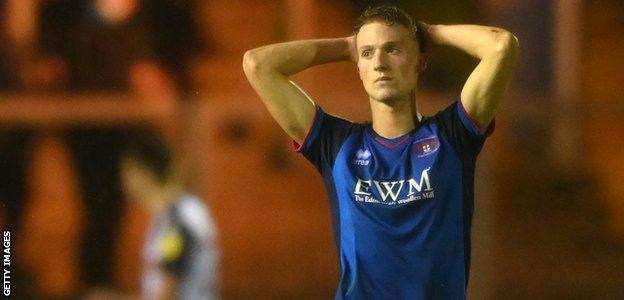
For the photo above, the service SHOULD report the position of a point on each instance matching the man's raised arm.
(497, 50)
(268, 68)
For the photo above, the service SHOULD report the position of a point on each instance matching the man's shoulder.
(331, 120)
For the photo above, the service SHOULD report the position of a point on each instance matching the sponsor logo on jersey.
(394, 192)
(362, 157)
(426, 146)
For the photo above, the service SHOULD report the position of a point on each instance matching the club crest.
(426, 146)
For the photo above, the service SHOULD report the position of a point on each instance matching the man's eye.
(366, 53)
(393, 50)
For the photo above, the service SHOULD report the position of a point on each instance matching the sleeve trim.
(472, 124)
(296, 146)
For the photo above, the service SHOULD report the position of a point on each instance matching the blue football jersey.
(402, 208)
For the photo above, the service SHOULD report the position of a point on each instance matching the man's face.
(387, 61)
(116, 11)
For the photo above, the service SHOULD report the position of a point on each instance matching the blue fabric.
(402, 208)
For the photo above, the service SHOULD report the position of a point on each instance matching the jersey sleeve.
(462, 131)
(324, 139)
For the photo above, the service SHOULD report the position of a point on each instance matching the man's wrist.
(351, 49)
(432, 33)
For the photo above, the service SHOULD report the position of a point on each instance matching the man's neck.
(391, 120)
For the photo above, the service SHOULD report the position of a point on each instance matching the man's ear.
(358, 71)
(423, 61)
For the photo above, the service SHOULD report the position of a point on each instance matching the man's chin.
(387, 98)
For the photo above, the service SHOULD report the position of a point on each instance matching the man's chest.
(368, 171)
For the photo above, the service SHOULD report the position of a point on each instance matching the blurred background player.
(112, 46)
(180, 252)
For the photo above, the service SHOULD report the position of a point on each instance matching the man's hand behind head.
(426, 36)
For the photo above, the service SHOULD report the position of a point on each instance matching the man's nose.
(379, 62)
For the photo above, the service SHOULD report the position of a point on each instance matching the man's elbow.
(507, 45)
(256, 62)
(250, 63)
